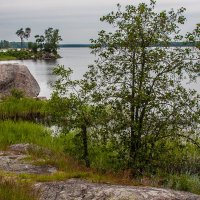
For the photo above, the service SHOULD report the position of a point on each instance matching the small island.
(45, 46)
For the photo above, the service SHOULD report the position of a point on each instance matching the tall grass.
(6, 57)
(23, 108)
(27, 132)
(184, 182)
(12, 190)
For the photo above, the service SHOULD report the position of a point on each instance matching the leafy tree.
(142, 81)
(194, 37)
(33, 46)
(70, 109)
(40, 41)
(52, 39)
(23, 34)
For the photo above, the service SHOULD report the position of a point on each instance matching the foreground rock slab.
(19, 77)
(75, 189)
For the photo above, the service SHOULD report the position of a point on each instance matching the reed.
(23, 108)
(12, 132)
(11, 189)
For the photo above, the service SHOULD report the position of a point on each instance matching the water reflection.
(76, 58)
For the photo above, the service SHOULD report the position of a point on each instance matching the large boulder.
(18, 77)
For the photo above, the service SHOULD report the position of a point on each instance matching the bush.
(21, 55)
(18, 94)
(33, 47)
(190, 183)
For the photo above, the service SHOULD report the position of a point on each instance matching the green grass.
(23, 108)
(15, 54)
(6, 57)
(27, 132)
(184, 182)
(23, 54)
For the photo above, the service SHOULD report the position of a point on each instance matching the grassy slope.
(13, 132)
(26, 132)
(23, 108)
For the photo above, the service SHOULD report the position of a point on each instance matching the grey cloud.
(78, 20)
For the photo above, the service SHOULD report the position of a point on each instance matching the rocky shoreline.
(14, 160)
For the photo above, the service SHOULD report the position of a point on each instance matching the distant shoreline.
(172, 44)
(17, 45)
(75, 45)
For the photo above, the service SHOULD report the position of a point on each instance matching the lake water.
(77, 59)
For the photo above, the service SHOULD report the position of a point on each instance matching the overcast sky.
(78, 20)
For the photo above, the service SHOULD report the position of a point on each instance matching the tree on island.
(49, 41)
(23, 34)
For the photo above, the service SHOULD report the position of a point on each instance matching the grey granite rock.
(75, 189)
(19, 77)
(15, 161)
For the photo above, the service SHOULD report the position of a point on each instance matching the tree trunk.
(85, 146)
(132, 115)
(21, 43)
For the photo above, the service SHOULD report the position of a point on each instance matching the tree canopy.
(137, 83)
(142, 83)
(49, 41)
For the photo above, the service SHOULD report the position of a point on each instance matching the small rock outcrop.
(75, 189)
(18, 77)
(14, 160)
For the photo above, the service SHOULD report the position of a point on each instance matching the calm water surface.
(77, 59)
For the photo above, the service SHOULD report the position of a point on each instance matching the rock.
(22, 148)
(49, 56)
(41, 98)
(25, 148)
(15, 161)
(75, 189)
(19, 77)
